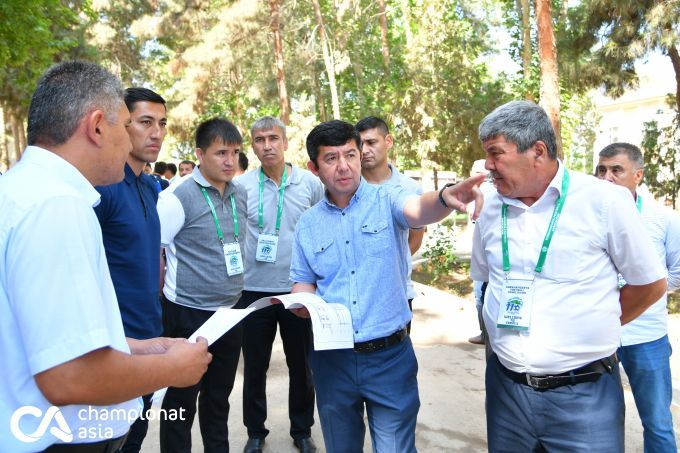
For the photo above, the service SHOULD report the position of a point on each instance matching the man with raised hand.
(63, 350)
(203, 230)
(348, 250)
(278, 194)
(645, 350)
(550, 242)
(376, 143)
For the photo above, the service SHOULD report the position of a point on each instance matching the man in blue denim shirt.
(347, 250)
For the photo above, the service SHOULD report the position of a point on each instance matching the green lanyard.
(279, 207)
(638, 203)
(548, 235)
(216, 220)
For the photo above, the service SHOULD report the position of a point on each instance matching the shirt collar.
(552, 192)
(200, 179)
(63, 170)
(355, 198)
(130, 175)
(295, 176)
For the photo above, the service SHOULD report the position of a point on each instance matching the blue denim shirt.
(354, 257)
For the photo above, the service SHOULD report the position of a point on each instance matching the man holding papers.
(348, 249)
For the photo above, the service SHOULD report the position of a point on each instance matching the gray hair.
(268, 122)
(65, 94)
(633, 152)
(522, 123)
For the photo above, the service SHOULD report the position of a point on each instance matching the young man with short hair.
(132, 233)
(347, 250)
(203, 231)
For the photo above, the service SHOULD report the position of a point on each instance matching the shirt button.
(346, 242)
(356, 331)
(352, 272)
(343, 213)
(354, 302)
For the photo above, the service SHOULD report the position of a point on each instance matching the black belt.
(378, 344)
(588, 373)
(104, 446)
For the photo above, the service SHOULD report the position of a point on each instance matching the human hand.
(301, 312)
(459, 195)
(190, 360)
(158, 345)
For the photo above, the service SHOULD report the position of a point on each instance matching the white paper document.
(331, 323)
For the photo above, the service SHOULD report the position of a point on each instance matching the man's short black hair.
(242, 161)
(217, 128)
(631, 151)
(373, 122)
(160, 167)
(193, 164)
(172, 168)
(330, 133)
(136, 94)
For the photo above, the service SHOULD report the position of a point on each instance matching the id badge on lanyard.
(267, 244)
(233, 258)
(516, 305)
(231, 250)
(517, 302)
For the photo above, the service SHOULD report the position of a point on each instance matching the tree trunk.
(16, 136)
(284, 105)
(22, 134)
(382, 17)
(4, 148)
(525, 13)
(319, 100)
(328, 60)
(675, 58)
(406, 13)
(550, 87)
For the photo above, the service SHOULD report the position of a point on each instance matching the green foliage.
(662, 159)
(33, 35)
(438, 250)
(579, 122)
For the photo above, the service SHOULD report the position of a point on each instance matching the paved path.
(451, 417)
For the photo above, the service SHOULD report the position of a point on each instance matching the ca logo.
(62, 432)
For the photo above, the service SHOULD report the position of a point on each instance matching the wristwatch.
(441, 197)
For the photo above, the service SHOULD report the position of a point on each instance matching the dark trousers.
(259, 331)
(138, 430)
(213, 390)
(583, 417)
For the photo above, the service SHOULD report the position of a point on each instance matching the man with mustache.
(278, 194)
(550, 243)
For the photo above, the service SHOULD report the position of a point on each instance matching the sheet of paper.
(331, 323)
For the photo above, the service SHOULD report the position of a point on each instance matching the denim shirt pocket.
(326, 257)
(375, 238)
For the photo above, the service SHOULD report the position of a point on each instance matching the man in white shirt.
(550, 244)
(645, 350)
(63, 351)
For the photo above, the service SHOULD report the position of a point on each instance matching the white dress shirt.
(57, 300)
(663, 227)
(576, 309)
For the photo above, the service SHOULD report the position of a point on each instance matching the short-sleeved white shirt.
(57, 300)
(576, 309)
